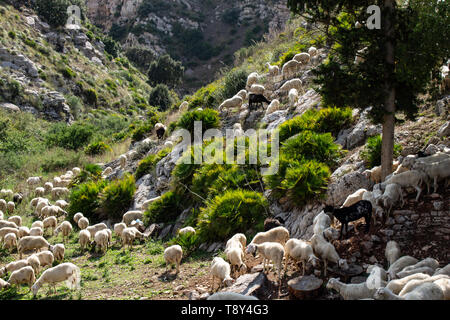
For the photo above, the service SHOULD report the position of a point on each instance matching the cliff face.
(202, 34)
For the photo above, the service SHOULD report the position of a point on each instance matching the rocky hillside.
(204, 35)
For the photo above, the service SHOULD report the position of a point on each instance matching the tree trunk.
(387, 148)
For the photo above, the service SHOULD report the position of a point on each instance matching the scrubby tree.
(55, 11)
(160, 97)
(165, 70)
(397, 65)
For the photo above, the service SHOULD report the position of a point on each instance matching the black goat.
(257, 99)
(160, 132)
(361, 209)
(17, 198)
(271, 223)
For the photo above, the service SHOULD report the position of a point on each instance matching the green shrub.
(90, 172)
(90, 96)
(12, 34)
(188, 242)
(234, 81)
(371, 154)
(68, 73)
(140, 132)
(69, 137)
(97, 148)
(165, 70)
(160, 97)
(205, 97)
(117, 197)
(301, 181)
(147, 164)
(55, 11)
(232, 212)
(60, 159)
(210, 119)
(166, 209)
(85, 198)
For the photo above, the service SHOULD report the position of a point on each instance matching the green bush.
(166, 209)
(301, 181)
(205, 97)
(147, 164)
(97, 148)
(60, 159)
(371, 154)
(69, 137)
(165, 70)
(160, 97)
(234, 81)
(55, 11)
(85, 198)
(232, 212)
(188, 242)
(90, 96)
(116, 198)
(90, 172)
(68, 73)
(210, 119)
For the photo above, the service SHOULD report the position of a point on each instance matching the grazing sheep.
(321, 222)
(243, 94)
(428, 266)
(303, 57)
(444, 270)
(32, 181)
(392, 252)
(173, 255)
(8, 224)
(128, 236)
(426, 291)
(39, 191)
(273, 106)
(313, 51)
(300, 250)
(273, 70)
(412, 178)
(64, 272)
(186, 230)
(361, 209)
(269, 251)
(7, 230)
(37, 224)
(235, 255)
(65, 228)
(3, 205)
(234, 102)
(84, 239)
(230, 296)
(220, 269)
(374, 174)
(6, 193)
(33, 261)
(414, 283)
(400, 264)
(77, 217)
(397, 285)
(257, 99)
(42, 203)
(48, 186)
(351, 291)
(23, 231)
(46, 258)
(83, 223)
(101, 239)
(354, 198)
(293, 97)
(51, 210)
(160, 130)
(252, 79)
(291, 84)
(59, 192)
(50, 223)
(13, 266)
(36, 232)
(271, 223)
(278, 234)
(24, 275)
(62, 204)
(4, 284)
(10, 241)
(290, 67)
(95, 228)
(10, 207)
(391, 196)
(436, 171)
(327, 252)
(130, 216)
(58, 251)
(147, 203)
(118, 228)
(241, 238)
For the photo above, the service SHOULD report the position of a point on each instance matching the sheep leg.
(419, 191)
(303, 265)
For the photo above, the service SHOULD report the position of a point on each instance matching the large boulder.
(340, 188)
(9, 107)
(251, 284)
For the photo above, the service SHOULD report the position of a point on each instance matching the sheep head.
(314, 261)
(380, 294)
(252, 248)
(228, 281)
(332, 283)
(342, 263)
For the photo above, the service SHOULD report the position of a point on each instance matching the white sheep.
(235, 255)
(62, 204)
(327, 252)
(397, 285)
(436, 171)
(24, 275)
(252, 79)
(130, 216)
(24, 231)
(58, 251)
(273, 106)
(4, 284)
(123, 161)
(76, 171)
(33, 261)
(65, 228)
(374, 174)
(273, 70)
(354, 198)
(101, 239)
(391, 197)
(118, 228)
(6, 193)
(428, 266)
(36, 231)
(278, 234)
(7, 230)
(128, 236)
(220, 269)
(50, 223)
(52, 210)
(300, 250)
(42, 203)
(414, 283)
(444, 283)
(313, 51)
(243, 94)
(399, 264)
(37, 224)
(13, 266)
(291, 84)
(426, 291)
(84, 239)
(46, 258)
(32, 181)
(10, 207)
(392, 252)
(59, 192)
(303, 58)
(77, 217)
(230, 296)
(186, 230)
(173, 255)
(83, 223)
(241, 238)
(351, 291)
(293, 97)
(48, 186)
(10, 241)
(321, 222)
(39, 191)
(95, 228)
(444, 270)
(64, 272)
(147, 203)
(8, 224)
(290, 67)
(257, 89)
(273, 251)
(412, 178)
(234, 102)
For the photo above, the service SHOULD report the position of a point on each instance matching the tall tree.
(396, 61)
(165, 70)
